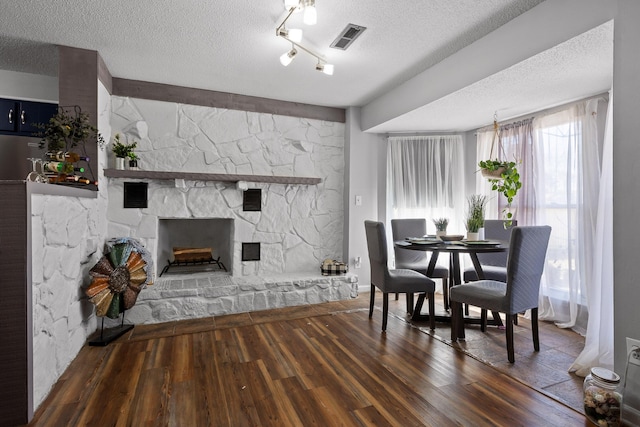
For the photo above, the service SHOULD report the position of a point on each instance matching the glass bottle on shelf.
(68, 156)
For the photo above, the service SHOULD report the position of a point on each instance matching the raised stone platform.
(179, 297)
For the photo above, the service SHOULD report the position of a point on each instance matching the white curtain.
(598, 349)
(567, 176)
(425, 179)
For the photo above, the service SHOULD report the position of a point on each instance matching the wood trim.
(16, 394)
(78, 85)
(198, 176)
(211, 98)
(104, 75)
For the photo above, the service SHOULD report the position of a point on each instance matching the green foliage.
(508, 184)
(123, 150)
(67, 129)
(475, 212)
(441, 223)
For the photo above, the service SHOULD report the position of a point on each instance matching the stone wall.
(203, 295)
(68, 236)
(299, 225)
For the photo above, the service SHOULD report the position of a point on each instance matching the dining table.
(454, 249)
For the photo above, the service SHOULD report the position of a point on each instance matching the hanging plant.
(503, 175)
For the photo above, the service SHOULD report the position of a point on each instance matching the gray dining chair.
(398, 280)
(525, 263)
(416, 260)
(494, 264)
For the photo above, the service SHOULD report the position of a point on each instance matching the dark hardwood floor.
(322, 365)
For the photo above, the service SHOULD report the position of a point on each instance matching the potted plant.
(133, 160)
(64, 132)
(504, 179)
(475, 215)
(123, 151)
(441, 226)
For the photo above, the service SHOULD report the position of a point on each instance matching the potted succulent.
(504, 179)
(123, 151)
(441, 226)
(474, 220)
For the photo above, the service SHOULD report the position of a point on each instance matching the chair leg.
(397, 296)
(454, 321)
(409, 297)
(534, 328)
(457, 321)
(432, 311)
(385, 310)
(483, 320)
(515, 319)
(510, 352)
(371, 300)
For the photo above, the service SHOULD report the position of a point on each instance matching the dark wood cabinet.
(23, 117)
(8, 111)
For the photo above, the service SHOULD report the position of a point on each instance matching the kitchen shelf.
(200, 176)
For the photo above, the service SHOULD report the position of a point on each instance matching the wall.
(299, 225)
(67, 238)
(626, 175)
(366, 159)
(28, 87)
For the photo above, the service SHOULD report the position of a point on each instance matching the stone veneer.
(299, 225)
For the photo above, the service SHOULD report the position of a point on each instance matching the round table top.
(456, 246)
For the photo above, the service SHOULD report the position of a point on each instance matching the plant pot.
(120, 163)
(473, 236)
(440, 233)
(493, 174)
(133, 165)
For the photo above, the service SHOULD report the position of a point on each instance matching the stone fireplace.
(296, 164)
(214, 233)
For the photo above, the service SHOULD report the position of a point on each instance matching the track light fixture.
(287, 57)
(310, 16)
(294, 35)
(325, 68)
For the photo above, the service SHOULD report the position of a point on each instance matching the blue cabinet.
(23, 117)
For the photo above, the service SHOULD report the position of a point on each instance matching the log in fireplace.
(192, 257)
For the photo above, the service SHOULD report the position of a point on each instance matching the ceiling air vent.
(347, 36)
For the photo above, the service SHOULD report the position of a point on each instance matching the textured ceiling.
(232, 47)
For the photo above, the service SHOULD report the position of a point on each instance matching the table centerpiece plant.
(474, 220)
(441, 226)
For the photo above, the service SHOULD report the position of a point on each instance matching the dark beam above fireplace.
(200, 176)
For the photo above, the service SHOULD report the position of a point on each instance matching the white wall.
(68, 234)
(28, 87)
(299, 225)
(626, 177)
(365, 157)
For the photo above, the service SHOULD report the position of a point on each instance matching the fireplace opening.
(195, 245)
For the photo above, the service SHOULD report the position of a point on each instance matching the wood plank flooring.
(321, 365)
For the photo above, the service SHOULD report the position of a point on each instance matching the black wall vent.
(135, 194)
(251, 252)
(252, 200)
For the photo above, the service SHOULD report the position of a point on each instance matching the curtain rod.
(549, 110)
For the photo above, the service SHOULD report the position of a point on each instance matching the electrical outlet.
(358, 262)
(633, 351)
